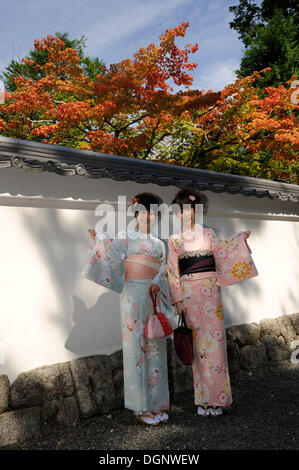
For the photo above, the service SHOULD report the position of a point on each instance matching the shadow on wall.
(63, 250)
(89, 333)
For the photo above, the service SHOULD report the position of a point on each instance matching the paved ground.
(264, 415)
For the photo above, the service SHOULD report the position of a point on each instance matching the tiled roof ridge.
(36, 156)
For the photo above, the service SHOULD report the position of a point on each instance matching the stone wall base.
(64, 393)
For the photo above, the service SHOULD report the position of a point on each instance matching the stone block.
(270, 326)
(286, 327)
(36, 386)
(118, 383)
(4, 392)
(246, 333)
(19, 425)
(294, 318)
(253, 357)
(61, 411)
(94, 387)
(233, 356)
(277, 350)
(116, 359)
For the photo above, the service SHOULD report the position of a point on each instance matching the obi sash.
(141, 267)
(197, 264)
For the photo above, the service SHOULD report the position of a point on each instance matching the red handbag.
(157, 325)
(183, 341)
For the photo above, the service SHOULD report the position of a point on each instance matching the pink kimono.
(196, 270)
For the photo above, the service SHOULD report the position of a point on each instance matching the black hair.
(146, 199)
(182, 197)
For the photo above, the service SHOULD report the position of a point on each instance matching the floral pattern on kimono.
(201, 295)
(144, 360)
(233, 259)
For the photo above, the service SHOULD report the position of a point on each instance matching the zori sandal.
(164, 416)
(161, 416)
(216, 411)
(148, 419)
(202, 411)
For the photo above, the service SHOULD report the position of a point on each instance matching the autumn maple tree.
(130, 109)
(245, 132)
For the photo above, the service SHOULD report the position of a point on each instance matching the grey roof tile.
(36, 157)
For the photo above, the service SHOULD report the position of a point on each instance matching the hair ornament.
(192, 197)
(134, 201)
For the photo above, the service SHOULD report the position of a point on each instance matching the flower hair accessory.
(134, 201)
(192, 197)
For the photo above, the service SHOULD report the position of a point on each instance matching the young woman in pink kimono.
(133, 264)
(194, 285)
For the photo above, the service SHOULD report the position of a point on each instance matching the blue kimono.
(144, 360)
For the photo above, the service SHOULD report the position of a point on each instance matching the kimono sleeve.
(106, 262)
(173, 272)
(161, 279)
(233, 259)
(215, 239)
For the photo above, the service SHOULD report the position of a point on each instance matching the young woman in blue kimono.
(133, 264)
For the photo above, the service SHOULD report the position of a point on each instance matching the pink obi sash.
(141, 267)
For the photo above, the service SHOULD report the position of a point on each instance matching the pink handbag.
(157, 324)
(233, 260)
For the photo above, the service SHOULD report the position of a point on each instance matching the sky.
(115, 29)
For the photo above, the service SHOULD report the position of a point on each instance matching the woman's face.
(145, 219)
(187, 216)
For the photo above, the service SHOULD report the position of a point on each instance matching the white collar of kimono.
(197, 230)
(131, 234)
(134, 234)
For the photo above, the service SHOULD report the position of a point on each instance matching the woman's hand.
(154, 288)
(92, 233)
(180, 308)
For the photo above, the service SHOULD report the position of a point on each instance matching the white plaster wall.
(49, 313)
